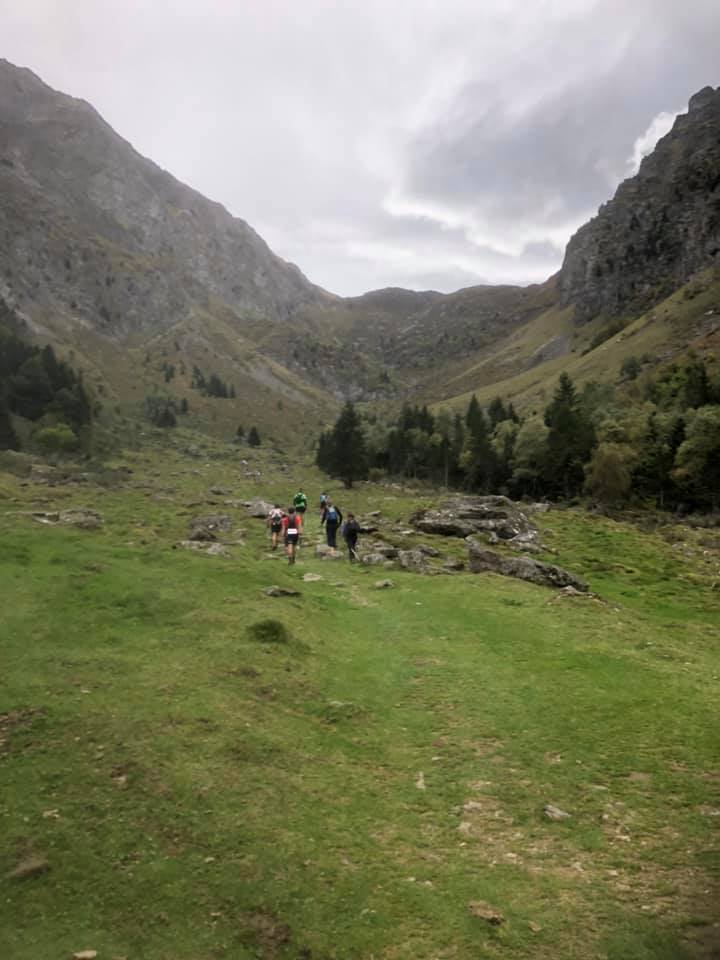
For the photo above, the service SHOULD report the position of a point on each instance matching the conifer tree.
(343, 451)
(253, 437)
(570, 441)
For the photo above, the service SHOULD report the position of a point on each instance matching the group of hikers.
(288, 525)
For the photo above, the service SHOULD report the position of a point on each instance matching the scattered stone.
(384, 584)
(31, 866)
(420, 781)
(312, 577)
(454, 565)
(209, 527)
(555, 813)
(275, 591)
(534, 927)
(523, 568)
(483, 911)
(85, 955)
(219, 492)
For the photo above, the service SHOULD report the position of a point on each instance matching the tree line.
(37, 386)
(655, 442)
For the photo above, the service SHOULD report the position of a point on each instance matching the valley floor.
(175, 789)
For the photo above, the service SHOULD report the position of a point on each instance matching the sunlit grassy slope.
(347, 794)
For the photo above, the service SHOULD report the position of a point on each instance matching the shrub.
(269, 631)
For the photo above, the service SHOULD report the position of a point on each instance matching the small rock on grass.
(555, 813)
(29, 867)
(311, 577)
(276, 591)
(384, 584)
(483, 911)
(85, 955)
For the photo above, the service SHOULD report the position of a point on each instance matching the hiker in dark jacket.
(332, 518)
(350, 531)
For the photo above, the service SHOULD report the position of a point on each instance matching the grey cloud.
(308, 119)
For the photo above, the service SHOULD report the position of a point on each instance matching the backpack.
(331, 515)
(299, 500)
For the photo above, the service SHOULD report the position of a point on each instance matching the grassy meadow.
(175, 787)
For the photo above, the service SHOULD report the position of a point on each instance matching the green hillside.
(372, 784)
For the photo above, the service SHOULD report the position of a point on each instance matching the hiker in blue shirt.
(332, 518)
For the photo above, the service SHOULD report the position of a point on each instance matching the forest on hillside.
(655, 442)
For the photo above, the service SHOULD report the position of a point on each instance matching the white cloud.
(645, 144)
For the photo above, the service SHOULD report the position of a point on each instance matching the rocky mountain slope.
(661, 226)
(132, 272)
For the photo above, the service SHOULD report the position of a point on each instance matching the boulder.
(258, 508)
(462, 516)
(412, 560)
(454, 565)
(324, 552)
(482, 560)
(209, 527)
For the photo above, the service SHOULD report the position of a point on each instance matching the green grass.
(199, 792)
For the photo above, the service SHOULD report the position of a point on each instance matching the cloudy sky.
(416, 143)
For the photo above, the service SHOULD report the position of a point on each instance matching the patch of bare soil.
(16, 720)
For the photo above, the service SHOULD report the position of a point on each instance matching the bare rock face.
(462, 516)
(482, 560)
(259, 508)
(661, 226)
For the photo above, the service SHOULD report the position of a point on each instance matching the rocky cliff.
(93, 231)
(661, 226)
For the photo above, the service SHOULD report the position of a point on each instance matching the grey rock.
(384, 584)
(461, 516)
(552, 812)
(659, 229)
(258, 508)
(454, 564)
(276, 591)
(482, 560)
(324, 552)
(413, 560)
(210, 527)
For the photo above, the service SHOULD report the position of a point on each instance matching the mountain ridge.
(110, 256)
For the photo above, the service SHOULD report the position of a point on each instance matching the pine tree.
(253, 437)
(344, 451)
(570, 441)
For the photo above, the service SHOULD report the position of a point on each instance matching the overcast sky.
(416, 143)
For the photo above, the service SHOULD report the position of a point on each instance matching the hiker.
(332, 518)
(292, 528)
(300, 502)
(274, 522)
(350, 530)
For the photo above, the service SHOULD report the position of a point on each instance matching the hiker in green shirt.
(300, 502)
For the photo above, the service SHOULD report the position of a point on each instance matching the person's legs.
(332, 535)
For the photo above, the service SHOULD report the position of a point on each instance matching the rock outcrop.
(661, 226)
(462, 516)
(482, 560)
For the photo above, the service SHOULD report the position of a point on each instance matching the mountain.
(141, 281)
(662, 225)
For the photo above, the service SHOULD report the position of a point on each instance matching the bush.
(58, 439)
(269, 631)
